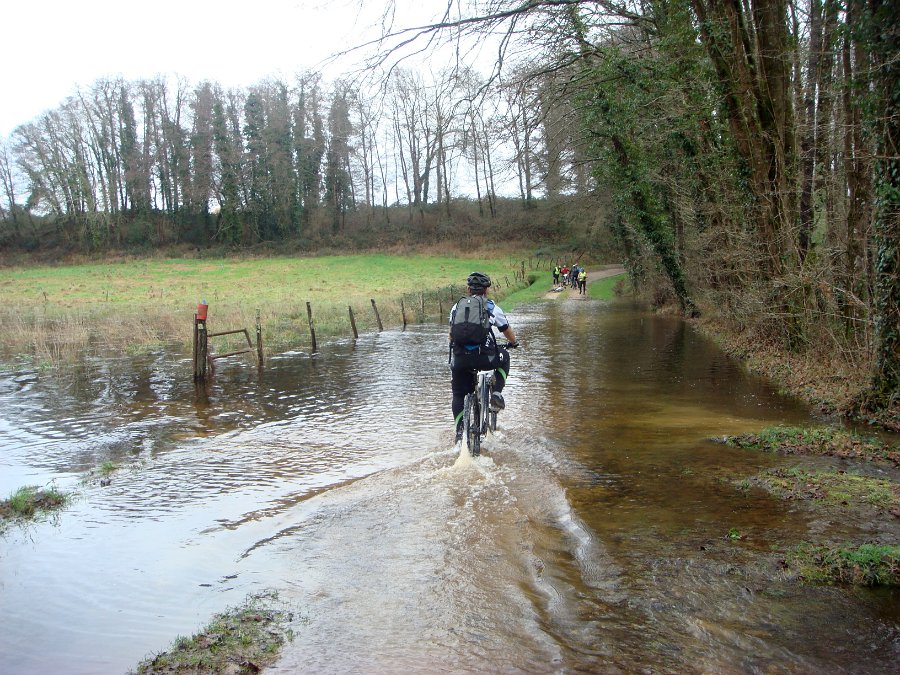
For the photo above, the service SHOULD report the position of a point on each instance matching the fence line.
(416, 306)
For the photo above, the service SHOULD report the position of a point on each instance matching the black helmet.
(478, 282)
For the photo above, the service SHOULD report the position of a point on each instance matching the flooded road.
(592, 536)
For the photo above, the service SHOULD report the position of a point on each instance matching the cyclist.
(488, 356)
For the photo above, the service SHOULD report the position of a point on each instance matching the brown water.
(590, 537)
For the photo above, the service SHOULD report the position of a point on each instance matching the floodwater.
(591, 536)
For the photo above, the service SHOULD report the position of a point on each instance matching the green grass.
(265, 281)
(605, 289)
(57, 314)
(539, 283)
(243, 639)
(27, 502)
(107, 468)
(866, 565)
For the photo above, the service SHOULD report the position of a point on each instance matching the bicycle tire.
(490, 416)
(472, 424)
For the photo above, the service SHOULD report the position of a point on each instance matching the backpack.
(470, 323)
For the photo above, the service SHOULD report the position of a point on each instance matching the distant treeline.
(156, 162)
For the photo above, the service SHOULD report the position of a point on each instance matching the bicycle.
(478, 416)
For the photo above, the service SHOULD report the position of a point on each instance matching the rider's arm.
(509, 335)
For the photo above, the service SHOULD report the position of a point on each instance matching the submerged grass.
(829, 488)
(865, 565)
(243, 639)
(29, 501)
(830, 441)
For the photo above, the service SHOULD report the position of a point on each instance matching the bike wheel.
(472, 424)
(489, 418)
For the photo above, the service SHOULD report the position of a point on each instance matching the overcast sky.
(50, 47)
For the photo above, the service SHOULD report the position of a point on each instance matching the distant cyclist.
(474, 347)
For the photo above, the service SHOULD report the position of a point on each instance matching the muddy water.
(590, 537)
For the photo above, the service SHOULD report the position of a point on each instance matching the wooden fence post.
(353, 323)
(403, 312)
(422, 295)
(259, 345)
(195, 346)
(201, 349)
(312, 327)
(377, 316)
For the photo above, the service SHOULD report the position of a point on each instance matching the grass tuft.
(865, 565)
(27, 502)
(243, 639)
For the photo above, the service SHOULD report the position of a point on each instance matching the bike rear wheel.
(472, 424)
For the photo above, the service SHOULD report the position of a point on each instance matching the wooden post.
(195, 346)
(523, 270)
(377, 316)
(422, 295)
(260, 358)
(202, 348)
(312, 327)
(353, 323)
(403, 312)
(202, 351)
(452, 294)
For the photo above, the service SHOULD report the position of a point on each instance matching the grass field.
(54, 314)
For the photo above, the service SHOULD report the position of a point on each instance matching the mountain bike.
(478, 416)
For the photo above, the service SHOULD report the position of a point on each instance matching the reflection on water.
(589, 536)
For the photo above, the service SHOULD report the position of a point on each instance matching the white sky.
(48, 48)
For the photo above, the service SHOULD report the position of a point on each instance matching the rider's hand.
(512, 345)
